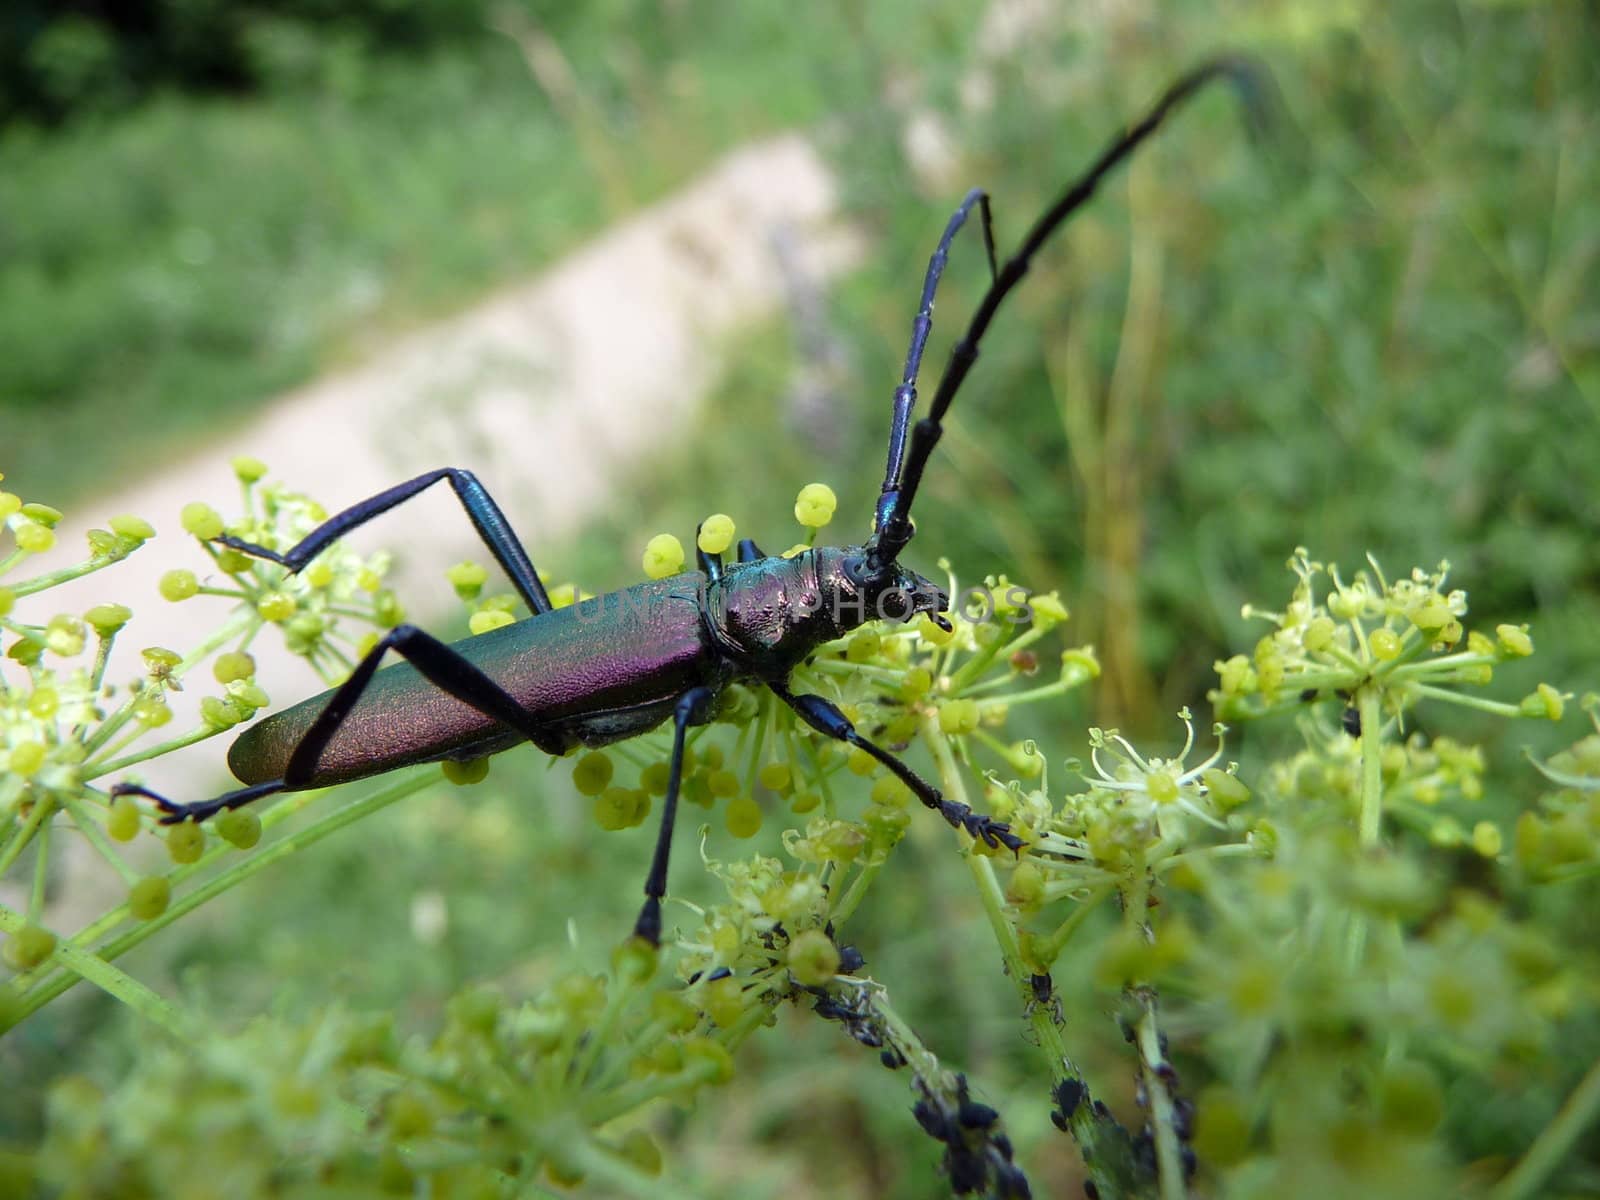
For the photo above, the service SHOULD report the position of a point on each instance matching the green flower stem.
(965, 676)
(102, 658)
(1169, 1150)
(1001, 750)
(40, 583)
(753, 1018)
(855, 893)
(1412, 647)
(1086, 1129)
(107, 767)
(1367, 702)
(109, 727)
(95, 835)
(599, 1037)
(1227, 850)
(1554, 1141)
(1356, 663)
(979, 662)
(24, 833)
(636, 1093)
(1070, 678)
(120, 744)
(922, 1061)
(114, 983)
(1463, 658)
(1328, 680)
(55, 985)
(617, 1175)
(991, 895)
(239, 622)
(1048, 949)
(91, 933)
(1497, 707)
(28, 633)
(41, 872)
(886, 675)
(1569, 872)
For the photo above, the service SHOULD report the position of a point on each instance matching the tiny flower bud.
(249, 470)
(1544, 704)
(815, 505)
(186, 842)
(123, 822)
(201, 520)
(29, 947)
(232, 666)
(135, 529)
(1486, 839)
(468, 579)
(34, 538)
(1319, 634)
(148, 898)
(743, 818)
(486, 619)
(592, 773)
(716, 533)
(1385, 644)
(813, 958)
(464, 774)
(106, 619)
(1514, 641)
(958, 716)
(276, 606)
(663, 556)
(239, 827)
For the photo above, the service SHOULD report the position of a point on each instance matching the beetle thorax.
(776, 611)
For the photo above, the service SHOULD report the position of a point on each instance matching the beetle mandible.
(558, 681)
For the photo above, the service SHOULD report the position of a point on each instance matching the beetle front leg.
(824, 716)
(693, 708)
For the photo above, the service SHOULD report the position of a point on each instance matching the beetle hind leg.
(173, 813)
(443, 667)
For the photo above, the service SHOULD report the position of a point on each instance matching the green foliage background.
(1374, 329)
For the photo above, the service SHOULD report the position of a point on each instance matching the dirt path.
(551, 391)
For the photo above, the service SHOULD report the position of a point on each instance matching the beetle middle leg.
(824, 716)
(442, 666)
(693, 708)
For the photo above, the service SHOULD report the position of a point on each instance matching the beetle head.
(892, 592)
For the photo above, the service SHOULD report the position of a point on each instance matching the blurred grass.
(164, 272)
(1376, 331)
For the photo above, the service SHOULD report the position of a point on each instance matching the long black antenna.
(893, 527)
(905, 396)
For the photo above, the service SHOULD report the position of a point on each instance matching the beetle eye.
(854, 567)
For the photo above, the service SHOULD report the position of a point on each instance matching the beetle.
(668, 647)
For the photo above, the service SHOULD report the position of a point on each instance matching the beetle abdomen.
(592, 673)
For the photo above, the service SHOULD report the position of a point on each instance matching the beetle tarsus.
(980, 827)
(173, 813)
(255, 551)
